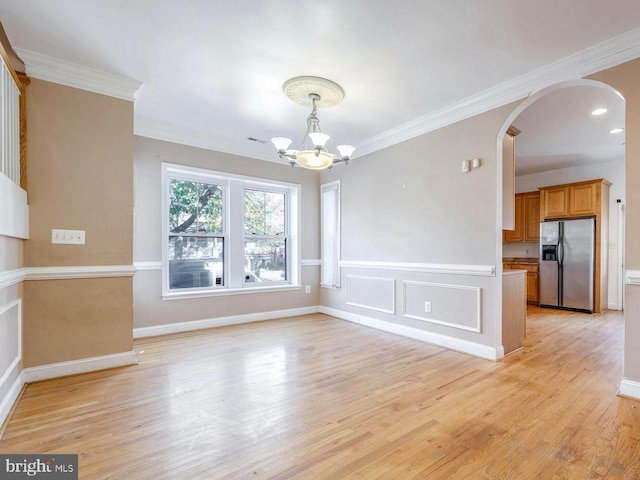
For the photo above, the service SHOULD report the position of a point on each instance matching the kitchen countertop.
(522, 260)
(514, 272)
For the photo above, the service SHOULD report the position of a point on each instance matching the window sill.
(229, 291)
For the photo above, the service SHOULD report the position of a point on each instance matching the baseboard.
(613, 306)
(10, 398)
(74, 367)
(143, 332)
(464, 346)
(629, 388)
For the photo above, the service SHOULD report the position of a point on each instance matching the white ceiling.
(212, 70)
(559, 131)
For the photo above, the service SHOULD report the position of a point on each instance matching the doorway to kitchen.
(568, 163)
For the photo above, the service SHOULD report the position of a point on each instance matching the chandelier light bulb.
(346, 150)
(281, 143)
(319, 139)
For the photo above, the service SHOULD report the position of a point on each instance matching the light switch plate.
(68, 237)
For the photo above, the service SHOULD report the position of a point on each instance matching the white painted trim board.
(629, 388)
(153, 331)
(632, 277)
(83, 365)
(451, 343)
(78, 76)
(10, 398)
(443, 268)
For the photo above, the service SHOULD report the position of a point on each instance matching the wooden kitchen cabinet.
(555, 201)
(533, 285)
(532, 217)
(584, 199)
(573, 200)
(527, 219)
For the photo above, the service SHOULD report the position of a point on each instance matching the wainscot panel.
(373, 293)
(456, 306)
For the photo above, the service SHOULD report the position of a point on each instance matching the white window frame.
(330, 244)
(285, 236)
(233, 231)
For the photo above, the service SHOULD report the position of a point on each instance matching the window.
(330, 246)
(196, 238)
(226, 233)
(265, 239)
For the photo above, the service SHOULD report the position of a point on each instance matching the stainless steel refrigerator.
(567, 252)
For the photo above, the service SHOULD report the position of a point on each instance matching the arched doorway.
(554, 160)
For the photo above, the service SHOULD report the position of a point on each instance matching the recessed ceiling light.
(599, 111)
(616, 130)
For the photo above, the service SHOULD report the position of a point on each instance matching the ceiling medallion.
(313, 154)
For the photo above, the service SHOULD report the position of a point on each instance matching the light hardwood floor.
(318, 398)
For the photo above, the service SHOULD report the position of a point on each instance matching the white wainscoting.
(373, 293)
(14, 213)
(457, 306)
(10, 355)
(465, 346)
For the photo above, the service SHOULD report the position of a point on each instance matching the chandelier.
(312, 152)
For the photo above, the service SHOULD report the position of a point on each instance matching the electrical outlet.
(69, 237)
(427, 307)
(307, 289)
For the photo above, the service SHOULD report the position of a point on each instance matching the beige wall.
(412, 203)
(80, 172)
(626, 79)
(73, 319)
(150, 309)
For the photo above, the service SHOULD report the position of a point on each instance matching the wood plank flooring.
(318, 398)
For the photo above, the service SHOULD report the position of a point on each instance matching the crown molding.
(610, 53)
(73, 75)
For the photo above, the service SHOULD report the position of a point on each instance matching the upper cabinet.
(572, 200)
(527, 219)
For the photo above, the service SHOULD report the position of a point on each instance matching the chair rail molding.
(632, 277)
(85, 271)
(473, 270)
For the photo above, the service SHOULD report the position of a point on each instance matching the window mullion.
(236, 231)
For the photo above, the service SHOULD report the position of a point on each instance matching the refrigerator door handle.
(560, 248)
